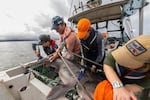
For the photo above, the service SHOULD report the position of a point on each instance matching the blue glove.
(39, 57)
(82, 70)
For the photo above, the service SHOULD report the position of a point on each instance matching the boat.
(58, 80)
(43, 80)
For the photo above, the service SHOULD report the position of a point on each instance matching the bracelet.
(117, 85)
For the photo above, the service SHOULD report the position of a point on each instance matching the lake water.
(14, 53)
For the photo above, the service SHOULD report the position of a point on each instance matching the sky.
(29, 18)
(26, 18)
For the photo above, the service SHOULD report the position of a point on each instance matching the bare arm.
(70, 44)
(36, 53)
(111, 74)
(120, 93)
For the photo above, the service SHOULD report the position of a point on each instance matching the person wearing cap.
(127, 70)
(68, 39)
(49, 45)
(92, 43)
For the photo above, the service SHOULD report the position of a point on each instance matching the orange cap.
(83, 27)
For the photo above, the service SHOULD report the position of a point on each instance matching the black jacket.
(52, 49)
(93, 48)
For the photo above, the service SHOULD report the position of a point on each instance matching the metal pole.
(141, 21)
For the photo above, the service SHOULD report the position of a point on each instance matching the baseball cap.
(56, 21)
(43, 38)
(135, 52)
(83, 27)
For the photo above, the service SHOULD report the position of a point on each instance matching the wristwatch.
(117, 85)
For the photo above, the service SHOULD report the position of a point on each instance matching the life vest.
(127, 73)
(52, 43)
(51, 49)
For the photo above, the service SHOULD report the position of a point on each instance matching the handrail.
(85, 6)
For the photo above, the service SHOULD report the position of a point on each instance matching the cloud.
(34, 16)
(60, 7)
(29, 16)
(43, 20)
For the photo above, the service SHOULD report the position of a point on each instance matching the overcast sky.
(32, 17)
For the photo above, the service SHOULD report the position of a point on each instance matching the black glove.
(34, 46)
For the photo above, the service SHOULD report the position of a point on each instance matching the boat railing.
(98, 13)
(88, 5)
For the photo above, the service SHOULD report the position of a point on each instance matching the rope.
(86, 59)
(75, 76)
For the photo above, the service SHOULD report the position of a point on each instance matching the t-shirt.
(125, 73)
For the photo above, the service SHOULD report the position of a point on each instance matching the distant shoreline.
(16, 40)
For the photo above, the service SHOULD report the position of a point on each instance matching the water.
(14, 53)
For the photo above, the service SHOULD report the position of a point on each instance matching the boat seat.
(35, 91)
(15, 83)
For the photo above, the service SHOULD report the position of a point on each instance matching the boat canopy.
(101, 13)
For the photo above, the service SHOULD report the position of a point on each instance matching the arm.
(57, 50)
(70, 44)
(36, 52)
(120, 93)
(111, 74)
(55, 54)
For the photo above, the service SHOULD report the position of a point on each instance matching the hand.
(123, 94)
(93, 68)
(36, 53)
(53, 57)
(40, 57)
(134, 88)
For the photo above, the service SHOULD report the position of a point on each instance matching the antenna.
(70, 7)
